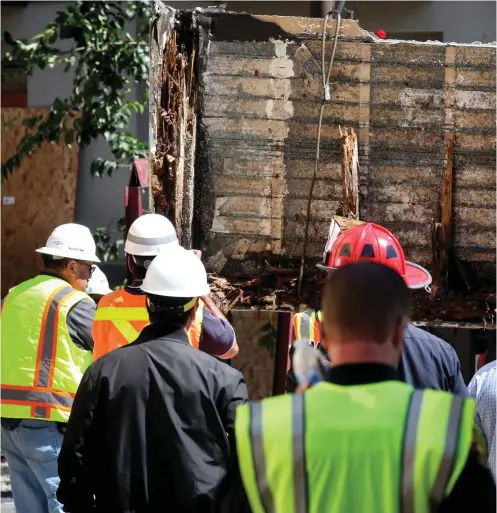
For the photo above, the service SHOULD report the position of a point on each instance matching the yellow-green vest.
(41, 366)
(378, 448)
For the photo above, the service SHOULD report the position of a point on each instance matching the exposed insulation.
(27, 222)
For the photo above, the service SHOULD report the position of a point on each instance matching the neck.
(362, 352)
(54, 272)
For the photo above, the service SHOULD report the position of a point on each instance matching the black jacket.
(473, 491)
(150, 429)
(427, 362)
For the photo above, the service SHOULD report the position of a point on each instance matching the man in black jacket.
(152, 422)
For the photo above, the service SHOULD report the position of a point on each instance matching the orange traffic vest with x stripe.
(41, 366)
(121, 316)
(307, 325)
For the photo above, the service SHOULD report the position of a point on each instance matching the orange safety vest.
(121, 316)
(307, 325)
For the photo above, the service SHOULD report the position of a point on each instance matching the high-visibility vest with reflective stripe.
(41, 365)
(121, 316)
(379, 448)
(307, 325)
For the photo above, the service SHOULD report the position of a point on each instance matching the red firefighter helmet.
(373, 242)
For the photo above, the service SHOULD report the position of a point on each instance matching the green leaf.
(103, 57)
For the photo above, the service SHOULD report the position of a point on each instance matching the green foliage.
(268, 338)
(106, 60)
(106, 248)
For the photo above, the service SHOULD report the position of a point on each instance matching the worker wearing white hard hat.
(122, 315)
(98, 286)
(163, 413)
(46, 347)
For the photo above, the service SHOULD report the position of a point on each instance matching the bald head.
(365, 303)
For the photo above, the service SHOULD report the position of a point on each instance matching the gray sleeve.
(80, 323)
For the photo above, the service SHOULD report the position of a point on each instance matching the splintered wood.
(442, 232)
(172, 182)
(349, 161)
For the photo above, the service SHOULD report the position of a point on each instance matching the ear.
(398, 332)
(71, 267)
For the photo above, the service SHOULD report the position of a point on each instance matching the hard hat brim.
(65, 253)
(99, 292)
(194, 292)
(416, 277)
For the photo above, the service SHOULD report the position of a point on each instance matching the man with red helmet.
(427, 361)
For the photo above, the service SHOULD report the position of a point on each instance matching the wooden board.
(43, 192)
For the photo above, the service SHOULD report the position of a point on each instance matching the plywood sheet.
(37, 197)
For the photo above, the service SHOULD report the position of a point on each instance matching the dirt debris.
(273, 291)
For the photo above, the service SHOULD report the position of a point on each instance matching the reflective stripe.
(151, 241)
(124, 313)
(259, 458)
(127, 330)
(47, 344)
(299, 468)
(450, 451)
(409, 452)
(312, 316)
(305, 326)
(28, 397)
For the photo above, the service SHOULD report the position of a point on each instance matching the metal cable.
(326, 97)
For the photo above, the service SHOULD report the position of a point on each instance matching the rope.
(325, 98)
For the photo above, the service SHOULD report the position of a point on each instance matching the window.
(367, 251)
(391, 252)
(345, 251)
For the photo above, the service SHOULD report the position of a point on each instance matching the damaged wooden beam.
(442, 231)
(349, 163)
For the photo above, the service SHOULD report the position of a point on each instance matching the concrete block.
(483, 120)
(408, 194)
(277, 67)
(270, 129)
(477, 198)
(410, 54)
(323, 189)
(475, 142)
(470, 216)
(248, 168)
(408, 76)
(243, 206)
(474, 57)
(237, 185)
(475, 100)
(242, 226)
(407, 117)
(475, 79)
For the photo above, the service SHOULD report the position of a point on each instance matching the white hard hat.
(98, 283)
(177, 273)
(149, 235)
(71, 241)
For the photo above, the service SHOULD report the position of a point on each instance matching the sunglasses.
(91, 267)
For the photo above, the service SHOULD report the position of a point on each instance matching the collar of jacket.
(171, 333)
(361, 374)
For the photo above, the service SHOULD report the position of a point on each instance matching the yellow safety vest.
(41, 366)
(377, 448)
(307, 325)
